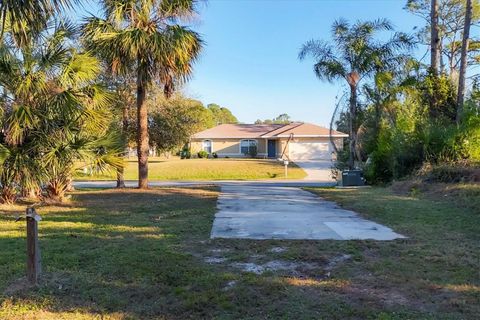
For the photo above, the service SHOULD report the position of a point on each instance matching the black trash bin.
(351, 178)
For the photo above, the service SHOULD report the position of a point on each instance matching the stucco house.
(294, 141)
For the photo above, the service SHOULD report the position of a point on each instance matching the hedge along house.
(293, 141)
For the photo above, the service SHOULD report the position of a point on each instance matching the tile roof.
(308, 129)
(265, 131)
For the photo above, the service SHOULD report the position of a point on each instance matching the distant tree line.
(281, 119)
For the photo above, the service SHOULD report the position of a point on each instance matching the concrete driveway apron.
(276, 212)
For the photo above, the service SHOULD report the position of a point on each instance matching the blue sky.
(250, 60)
(250, 63)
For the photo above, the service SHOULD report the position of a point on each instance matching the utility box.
(351, 178)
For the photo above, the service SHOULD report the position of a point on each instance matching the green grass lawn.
(205, 169)
(131, 254)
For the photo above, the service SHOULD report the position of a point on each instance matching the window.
(247, 145)
(207, 146)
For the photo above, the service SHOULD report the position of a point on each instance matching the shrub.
(252, 152)
(185, 154)
(471, 128)
(202, 154)
(215, 155)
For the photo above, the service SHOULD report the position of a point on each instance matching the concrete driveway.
(318, 170)
(275, 212)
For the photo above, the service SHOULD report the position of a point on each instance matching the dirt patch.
(384, 297)
(337, 260)
(230, 285)
(278, 249)
(291, 268)
(56, 281)
(260, 259)
(18, 286)
(214, 260)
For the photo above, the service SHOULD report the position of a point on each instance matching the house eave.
(226, 137)
(314, 136)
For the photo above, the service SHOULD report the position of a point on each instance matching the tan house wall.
(227, 147)
(231, 147)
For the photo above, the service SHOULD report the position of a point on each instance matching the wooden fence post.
(33, 248)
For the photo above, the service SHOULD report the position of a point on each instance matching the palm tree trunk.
(120, 171)
(142, 133)
(120, 178)
(463, 60)
(351, 126)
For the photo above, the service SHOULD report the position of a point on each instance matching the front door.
(272, 148)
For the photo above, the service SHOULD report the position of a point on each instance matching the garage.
(310, 150)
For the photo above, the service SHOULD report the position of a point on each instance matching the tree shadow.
(115, 251)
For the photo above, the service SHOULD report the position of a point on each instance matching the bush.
(215, 155)
(252, 152)
(471, 128)
(185, 154)
(202, 154)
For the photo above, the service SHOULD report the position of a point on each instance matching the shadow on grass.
(115, 251)
(140, 254)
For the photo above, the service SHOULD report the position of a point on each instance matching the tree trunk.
(142, 133)
(463, 60)
(434, 38)
(351, 126)
(442, 62)
(120, 177)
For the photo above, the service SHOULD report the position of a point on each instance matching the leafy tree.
(146, 37)
(173, 121)
(353, 56)
(221, 115)
(281, 119)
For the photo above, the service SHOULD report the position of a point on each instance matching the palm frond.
(178, 9)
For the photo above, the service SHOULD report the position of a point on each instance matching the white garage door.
(310, 151)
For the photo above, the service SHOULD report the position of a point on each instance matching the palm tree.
(28, 15)
(353, 56)
(54, 114)
(148, 38)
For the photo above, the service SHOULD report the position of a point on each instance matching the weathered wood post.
(34, 267)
